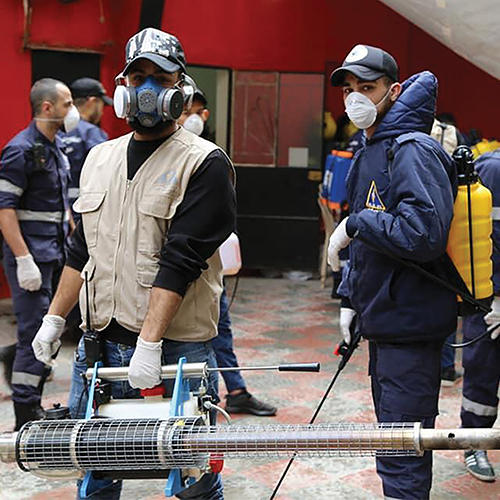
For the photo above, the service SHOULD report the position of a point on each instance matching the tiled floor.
(279, 321)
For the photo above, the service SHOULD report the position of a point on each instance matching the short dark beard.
(387, 105)
(156, 129)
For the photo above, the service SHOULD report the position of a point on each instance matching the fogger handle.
(189, 370)
(299, 367)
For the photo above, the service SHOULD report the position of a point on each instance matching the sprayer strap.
(462, 292)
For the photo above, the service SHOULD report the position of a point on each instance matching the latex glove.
(46, 341)
(346, 317)
(29, 276)
(145, 366)
(493, 317)
(338, 240)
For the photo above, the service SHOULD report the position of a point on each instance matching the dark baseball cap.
(200, 95)
(367, 63)
(159, 47)
(88, 87)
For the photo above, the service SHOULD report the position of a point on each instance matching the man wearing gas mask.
(155, 204)
(400, 189)
(90, 98)
(34, 218)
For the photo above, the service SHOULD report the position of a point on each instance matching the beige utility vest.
(126, 223)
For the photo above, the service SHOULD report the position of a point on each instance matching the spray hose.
(462, 292)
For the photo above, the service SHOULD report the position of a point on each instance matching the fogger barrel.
(183, 442)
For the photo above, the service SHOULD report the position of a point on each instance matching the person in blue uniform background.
(90, 98)
(481, 360)
(400, 190)
(34, 219)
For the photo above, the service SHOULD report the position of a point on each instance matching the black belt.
(117, 333)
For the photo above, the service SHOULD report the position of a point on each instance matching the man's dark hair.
(388, 81)
(447, 118)
(43, 90)
(200, 97)
(80, 101)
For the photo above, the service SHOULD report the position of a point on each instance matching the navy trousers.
(405, 383)
(448, 354)
(223, 347)
(28, 374)
(481, 375)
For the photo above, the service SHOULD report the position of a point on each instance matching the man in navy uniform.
(400, 190)
(90, 98)
(482, 360)
(34, 217)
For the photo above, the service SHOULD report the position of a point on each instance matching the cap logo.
(150, 40)
(357, 54)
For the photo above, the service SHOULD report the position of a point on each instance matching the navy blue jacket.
(401, 189)
(34, 182)
(78, 143)
(488, 168)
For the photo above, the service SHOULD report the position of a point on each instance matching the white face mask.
(194, 123)
(70, 121)
(361, 110)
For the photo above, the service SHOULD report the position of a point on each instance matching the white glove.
(338, 241)
(46, 341)
(29, 276)
(346, 317)
(144, 371)
(493, 317)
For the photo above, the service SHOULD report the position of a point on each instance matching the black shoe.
(26, 412)
(450, 375)
(246, 403)
(477, 463)
(7, 355)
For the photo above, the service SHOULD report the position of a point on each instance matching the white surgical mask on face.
(194, 123)
(71, 119)
(361, 110)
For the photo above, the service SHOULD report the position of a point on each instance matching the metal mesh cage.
(154, 444)
(319, 440)
(105, 444)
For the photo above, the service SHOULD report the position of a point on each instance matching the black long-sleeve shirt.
(202, 222)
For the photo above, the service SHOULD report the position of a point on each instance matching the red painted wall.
(55, 24)
(277, 35)
(17, 71)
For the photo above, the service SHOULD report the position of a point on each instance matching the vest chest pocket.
(89, 205)
(155, 211)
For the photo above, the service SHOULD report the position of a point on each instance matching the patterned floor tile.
(277, 321)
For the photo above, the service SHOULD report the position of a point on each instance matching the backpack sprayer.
(469, 242)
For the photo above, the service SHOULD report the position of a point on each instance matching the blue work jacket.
(34, 176)
(401, 189)
(488, 168)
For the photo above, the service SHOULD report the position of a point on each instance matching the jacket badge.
(373, 201)
(166, 180)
